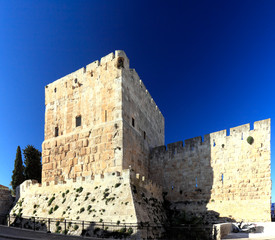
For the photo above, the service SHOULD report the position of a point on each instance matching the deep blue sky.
(209, 65)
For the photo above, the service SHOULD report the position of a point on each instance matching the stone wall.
(118, 197)
(106, 95)
(223, 173)
(94, 93)
(5, 202)
(147, 130)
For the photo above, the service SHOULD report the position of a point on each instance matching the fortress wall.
(223, 173)
(148, 128)
(5, 202)
(95, 94)
(124, 197)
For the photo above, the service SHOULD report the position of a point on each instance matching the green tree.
(32, 162)
(18, 172)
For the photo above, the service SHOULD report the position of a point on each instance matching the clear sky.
(209, 65)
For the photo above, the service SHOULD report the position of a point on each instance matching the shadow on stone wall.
(187, 178)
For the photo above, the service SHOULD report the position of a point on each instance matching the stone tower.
(99, 119)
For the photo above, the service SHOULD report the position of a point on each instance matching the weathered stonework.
(120, 122)
(223, 173)
(102, 127)
(123, 197)
(5, 202)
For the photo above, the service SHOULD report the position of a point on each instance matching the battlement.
(237, 133)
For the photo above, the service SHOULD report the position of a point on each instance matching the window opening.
(56, 132)
(75, 80)
(54, 89)
(78, 121)
(120, 63)
(196, 182)
(144, 135)
(242, 136)
(105, 115)
(222, 178)
(214, 144)
(133, 122)
(172, 187)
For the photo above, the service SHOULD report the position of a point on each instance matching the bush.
(130, 230)
(76, 227)
(117, 185)
(79, 190)
(51, 211)
(56, 207)
(82, 209)
(250, 140)
(50, 201)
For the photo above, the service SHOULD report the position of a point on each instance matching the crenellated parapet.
(217, 170)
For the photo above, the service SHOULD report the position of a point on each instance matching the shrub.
(89, 207)
(51, 211)
(82, 209)
(64, 200)
(105, 194)
(118, 222)
(50, 201)
(56, 207)
(76, 227)
(57, 223)
(79, 190)
(130, 230)
(63, 194)
(117, 185)
(101, 220)
(65, 231)
(250, 140)
(122, 230)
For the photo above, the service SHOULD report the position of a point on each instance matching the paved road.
(245, 236)
(23, 234)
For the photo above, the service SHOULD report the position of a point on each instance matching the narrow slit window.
(196, 182)
(78, 121)
(56, 132)
(105, 115)
(133, 122)
(222, 178)
(144, 135)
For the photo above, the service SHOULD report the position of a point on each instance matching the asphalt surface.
(245, 236)
(24, 234)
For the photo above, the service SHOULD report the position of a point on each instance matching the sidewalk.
(24, 234)
(245, 236)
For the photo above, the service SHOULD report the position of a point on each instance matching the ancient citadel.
(105, 134)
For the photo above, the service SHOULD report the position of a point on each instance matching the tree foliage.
(18, 172)
(32, 162)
